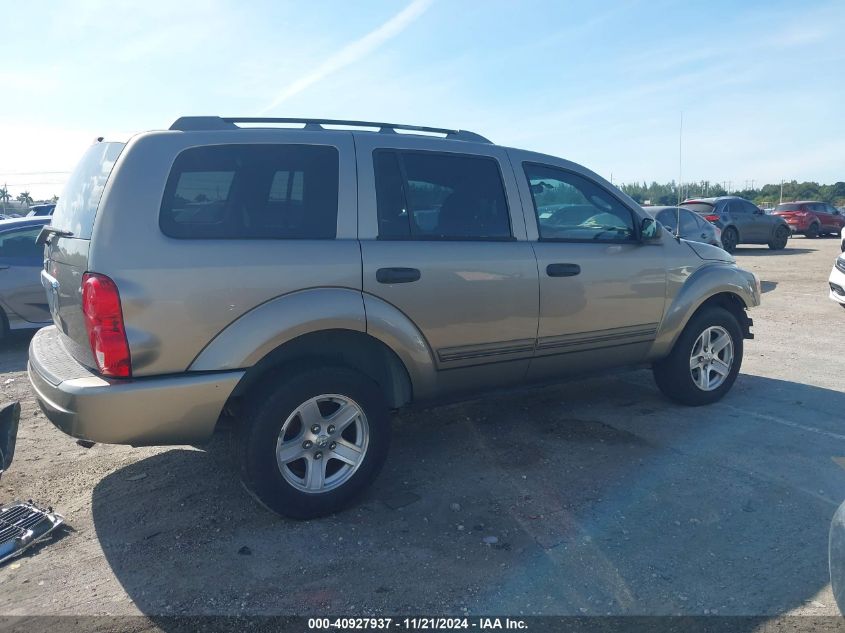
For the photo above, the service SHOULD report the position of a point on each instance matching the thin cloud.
(354, 52)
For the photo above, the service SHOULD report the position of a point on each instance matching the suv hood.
(709, 252)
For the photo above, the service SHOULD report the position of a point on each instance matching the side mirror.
(650, 230)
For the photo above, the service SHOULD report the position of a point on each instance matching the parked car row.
(739, 221)
(724, 221)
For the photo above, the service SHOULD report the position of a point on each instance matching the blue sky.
(761, 84)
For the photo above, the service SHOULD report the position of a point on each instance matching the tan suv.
(305, 281)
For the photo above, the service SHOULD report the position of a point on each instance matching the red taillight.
(104, 322)
(711, 218)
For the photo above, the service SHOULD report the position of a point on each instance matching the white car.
(837, 281)
(842, 239)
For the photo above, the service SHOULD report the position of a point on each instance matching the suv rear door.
(602, 291)
(443, 240)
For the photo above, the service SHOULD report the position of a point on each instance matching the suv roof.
(197, 123)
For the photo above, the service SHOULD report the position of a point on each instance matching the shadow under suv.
(305, 282)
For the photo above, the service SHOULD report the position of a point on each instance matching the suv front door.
(836, 220)
(602, 291)
(443, 241)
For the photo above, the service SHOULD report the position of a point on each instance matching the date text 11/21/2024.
(418, 623)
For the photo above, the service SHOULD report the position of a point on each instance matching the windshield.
(78, 203)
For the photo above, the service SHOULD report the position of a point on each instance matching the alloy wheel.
(322, 443)
(711, 358)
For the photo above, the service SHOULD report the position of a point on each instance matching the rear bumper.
(165, 410)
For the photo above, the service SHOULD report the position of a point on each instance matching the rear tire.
(730, 238)
(812, 232)
(682, 377)
(296, 458)
(779, 239)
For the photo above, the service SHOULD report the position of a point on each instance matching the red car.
(810, 217)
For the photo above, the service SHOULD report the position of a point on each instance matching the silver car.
(687, 225)
(23, 305)
(305, 282)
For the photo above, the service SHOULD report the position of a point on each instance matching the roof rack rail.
(197, 123)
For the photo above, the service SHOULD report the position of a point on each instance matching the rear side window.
(263, 191)
(435, 196)
(81, 195)
(668, 218)
(21, 244)
(689, 224)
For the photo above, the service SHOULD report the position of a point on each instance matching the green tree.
(25, 198)
(5, 196)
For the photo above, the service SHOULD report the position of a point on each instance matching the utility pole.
(781, 189)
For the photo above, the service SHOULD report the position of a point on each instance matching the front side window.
(571, 207)
(21, 244)
(436, 196)
(261, 191)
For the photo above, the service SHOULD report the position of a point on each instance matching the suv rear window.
(788, 207)
(699, 207)
(81, 195)
(263, 191)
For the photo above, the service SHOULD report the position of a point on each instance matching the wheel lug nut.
(307, 444)
(315, 429)
(318, 455)
(331, 429)
(333, 446)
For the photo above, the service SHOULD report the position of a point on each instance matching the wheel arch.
(711, 285)
(357, 350)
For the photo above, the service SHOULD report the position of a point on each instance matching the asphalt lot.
(602, 497)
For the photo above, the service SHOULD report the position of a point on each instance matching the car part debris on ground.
(22, 525)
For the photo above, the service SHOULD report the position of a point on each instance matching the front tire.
(779, 239)
(730, 238)
(705, 360)
(313, 442)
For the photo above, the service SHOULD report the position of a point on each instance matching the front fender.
(707, 281)
(253, 335)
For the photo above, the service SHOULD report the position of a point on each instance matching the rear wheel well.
(348, 348)
(735, 305)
